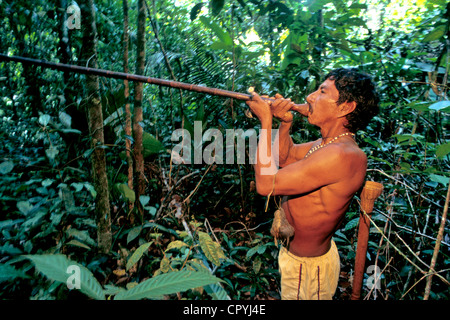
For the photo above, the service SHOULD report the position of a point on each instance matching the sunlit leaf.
(441, 106)
(220, 33)
(210, 248)
(176, 245)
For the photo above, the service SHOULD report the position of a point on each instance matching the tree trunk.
(95, 119)
(138, 116)
(127, 103)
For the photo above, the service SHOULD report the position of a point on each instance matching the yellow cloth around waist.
(309, 278)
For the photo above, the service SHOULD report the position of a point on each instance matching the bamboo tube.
(371, 191)
(301, 108)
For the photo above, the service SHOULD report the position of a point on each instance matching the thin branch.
(404, 256)
(405, 185)
(411, 230)
(198, 185)
(437, 245)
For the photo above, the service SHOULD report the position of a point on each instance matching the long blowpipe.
(302, 108)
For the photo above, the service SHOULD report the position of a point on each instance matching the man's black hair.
(356, 86)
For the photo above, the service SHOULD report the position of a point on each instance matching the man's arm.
(285, 150)
(327, 166)
(288, 152)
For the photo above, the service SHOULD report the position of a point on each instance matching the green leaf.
(436, 34)
(441, 106)
(211, 249)
(176, 245)
(159, 227)
(51, 153)
(443, 150)
(78, 244)
(217, 292)
(65, 119)
(251, 252)
(78, 186)
(8, 273)
(9, 249)
(168, 283)
(439, 179)
(220, 33)
(137, 255)
(6, 167)
(91, 189)
(71, 131)
(144, 200)
(419, 105)
(196, 10)
(56, 266)
(126, 192)
(81, 235)
(219, 45)
(133, 233)
(351, 224)
(44, 119)
(216, 6)
(24, 207)
(150, 144)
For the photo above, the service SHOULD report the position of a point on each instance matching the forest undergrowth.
(200, 231)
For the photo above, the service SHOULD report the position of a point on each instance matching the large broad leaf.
(220, 33)
(196, 10)
(439, 179)
(150, 144)
(58, 268)
(126, 191)
(211, 249)
(441, 106)
(217, 292)
(216, 6)
(295, 43)
(168, 283)
(436, 34)
(443, 150)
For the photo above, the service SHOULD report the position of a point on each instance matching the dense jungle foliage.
(203, 232)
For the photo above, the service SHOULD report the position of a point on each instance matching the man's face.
(322, 104)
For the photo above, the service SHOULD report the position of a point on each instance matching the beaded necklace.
(321, 145)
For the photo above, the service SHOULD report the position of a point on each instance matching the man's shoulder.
(347, 153)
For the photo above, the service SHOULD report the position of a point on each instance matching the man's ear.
(347, 108)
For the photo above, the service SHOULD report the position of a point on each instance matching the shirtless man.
(318, 178)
